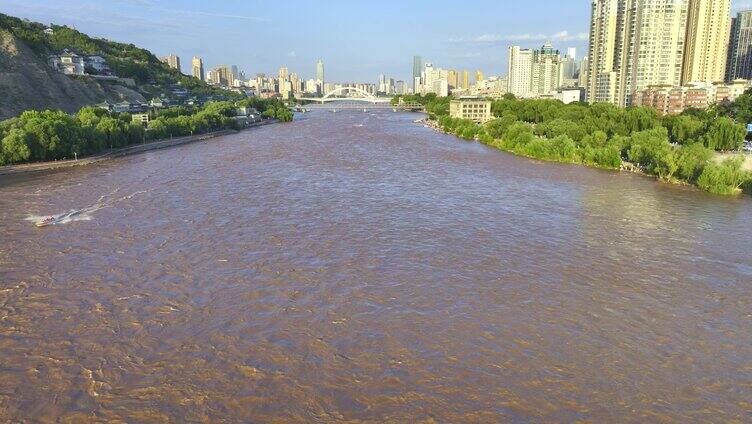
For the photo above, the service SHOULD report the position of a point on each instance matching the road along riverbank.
(125, 151)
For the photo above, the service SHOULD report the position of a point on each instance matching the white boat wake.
(83, 214)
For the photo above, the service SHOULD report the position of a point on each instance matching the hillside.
(28, 82)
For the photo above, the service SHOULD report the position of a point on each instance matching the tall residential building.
(284, 74)
(603, 63)
(225, 76)
(706, 47)
(221, 75)
(295, 83)
(198, 68)
(320, 71)
(534, 72)
(572, 53)
(660, 43)
(465, 80)
(213, 77)
(172, 61)
(740, 49)
(453, 79)
(635, 44)
(582, 77)
(401, 88)
(435, 80)
(548, 70)
(417, 71)
(519, 71)
(570, 64)
(285, 88)
(479, 76)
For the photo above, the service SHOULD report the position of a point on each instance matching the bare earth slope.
(27, 82)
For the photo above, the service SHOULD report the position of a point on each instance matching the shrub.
(723, 178)
(691, 161)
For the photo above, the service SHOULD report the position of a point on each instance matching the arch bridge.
(338, 95)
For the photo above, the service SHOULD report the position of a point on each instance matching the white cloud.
(497, 38)
(741, 5)
(292, 54)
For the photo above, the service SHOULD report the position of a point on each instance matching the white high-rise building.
(519, 71)
(435, 80)
(534, 72)
(572, 53)
(636, 44)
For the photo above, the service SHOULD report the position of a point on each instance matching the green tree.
(14, 147)
(652, 150)
(725, 134)
(497, 127)
(684, 129)
(691, 161)
(723, 178)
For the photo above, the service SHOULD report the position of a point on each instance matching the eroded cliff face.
(27, 82)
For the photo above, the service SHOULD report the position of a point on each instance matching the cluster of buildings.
(531, 73)
(389, 87)
(668, 54)
(442, 82)
(286, 84)
(544, 72)
(70, 63)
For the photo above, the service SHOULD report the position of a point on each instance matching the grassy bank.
(678, 149)
(39, 136)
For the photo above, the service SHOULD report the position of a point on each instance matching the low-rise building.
(671, 100)
(570, 95)
(68, 63)
(98, 64)
(141, 118)
(246, 116)
(474, 109)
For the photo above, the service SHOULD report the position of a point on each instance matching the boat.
(55, 219)
(48, 220)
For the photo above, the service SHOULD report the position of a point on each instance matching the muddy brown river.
(358, 267)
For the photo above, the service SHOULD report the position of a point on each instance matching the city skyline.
(383, 42)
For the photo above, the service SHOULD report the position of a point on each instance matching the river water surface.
(359, 267)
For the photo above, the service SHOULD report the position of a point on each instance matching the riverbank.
(726, 174)
(125, 151)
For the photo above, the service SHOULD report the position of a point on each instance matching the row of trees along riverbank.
(36, 136)
(679, 148)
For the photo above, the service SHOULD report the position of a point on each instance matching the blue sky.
(358, 40)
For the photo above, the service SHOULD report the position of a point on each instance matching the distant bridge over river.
(355, 105)
(352, 98)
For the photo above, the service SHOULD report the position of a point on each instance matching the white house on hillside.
(68, 63)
